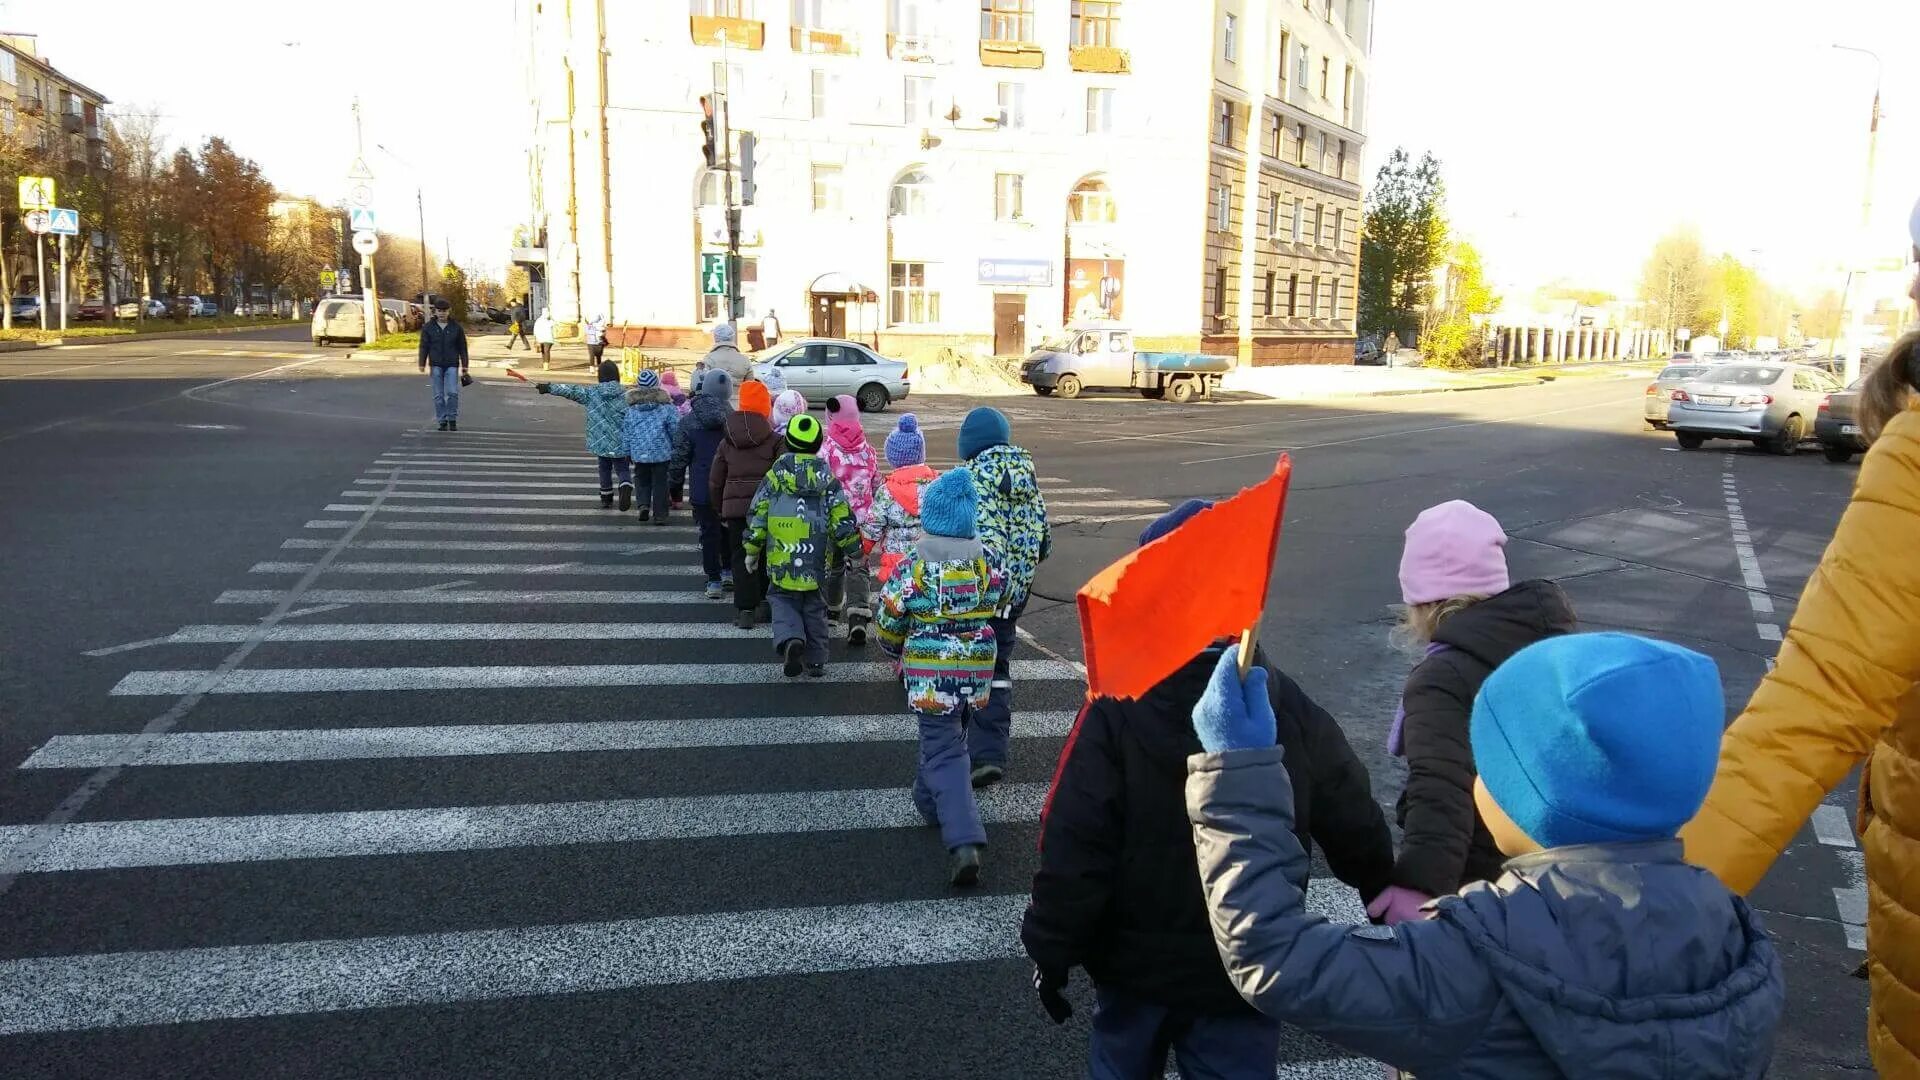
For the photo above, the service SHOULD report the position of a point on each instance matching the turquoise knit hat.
(950, 505)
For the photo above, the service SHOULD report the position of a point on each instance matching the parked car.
(823, 367)
(402, 313)
(1660, 391)
(92, 309)
(130, 309)
(197, 307)
(1366, 351)
(1768, 405)
(26, 307)
(1838, 426)
(338, 319)
(1103, 356)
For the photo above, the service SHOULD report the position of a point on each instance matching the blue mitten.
(1234, 715)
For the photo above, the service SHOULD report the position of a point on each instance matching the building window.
(1223, 123)
(1230, 48)
(1273, 214)
(1301, 58)
(1219, 291)
(1320, 150)
(1092, 201)
(1007, 196)
(724, 9)
(1099, 110)
(1326, 74)
(1013, 105)
(1006, 20)
(1299, 217)
(1272, 148)
(912, 194)
(1319, 224)
(910, 301)
(1266, 295)
(916, 99)
(817, 88)
(1340, 163)
(1286, 49)
(1346, 96)
(1300, 148)
(1339, 228)
(1335, 305)
(1222, 208)
(906, 21)
(826, 189)
(1095, 22)
(9, 69)
(1293, 295)
(1313, 305)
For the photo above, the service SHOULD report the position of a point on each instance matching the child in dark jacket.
(695, 442)
(606, 408)
(1118, 890)
(1462, 611)
(748, 450)
(1599, 952)
(647, 430)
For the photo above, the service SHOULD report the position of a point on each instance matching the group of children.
(798, 522)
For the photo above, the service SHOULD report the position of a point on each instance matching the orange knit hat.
(755, 398)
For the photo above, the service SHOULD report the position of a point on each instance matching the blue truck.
(1096, 356)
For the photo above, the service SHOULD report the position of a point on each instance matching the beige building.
(970, 173)
(43, 108)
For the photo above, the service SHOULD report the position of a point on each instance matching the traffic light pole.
(733, 212)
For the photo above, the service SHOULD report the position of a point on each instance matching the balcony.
(807, 39)
(33, 106)
(72, 123)
(736, 33)
(1104, 59)
(1011, 54)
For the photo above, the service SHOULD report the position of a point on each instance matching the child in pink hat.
(852, 461)
(1462, 610)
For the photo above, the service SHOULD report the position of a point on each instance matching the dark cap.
(441, 305)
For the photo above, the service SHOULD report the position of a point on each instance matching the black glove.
(1048, 985)
(543, 387)
(466, 379)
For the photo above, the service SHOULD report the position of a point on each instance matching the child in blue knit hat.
(1598, 952)
(935, 616)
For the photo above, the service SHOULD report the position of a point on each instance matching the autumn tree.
(301, 243)
(453, 289)
(234, 215)
(1452, 334)
(1403, 241)
(1674, 282)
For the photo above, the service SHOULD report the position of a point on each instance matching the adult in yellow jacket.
(1844, 691)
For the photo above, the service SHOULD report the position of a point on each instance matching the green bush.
(408, 342)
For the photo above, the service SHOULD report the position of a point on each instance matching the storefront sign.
(1095, 288)
(1034, 273)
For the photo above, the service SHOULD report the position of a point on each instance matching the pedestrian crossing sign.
(713, 274)
(36, 193)
(361, 219)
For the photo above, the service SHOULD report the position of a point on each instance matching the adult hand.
(545, 388)
(1232, 714)
(423, 367)
(1048, 985)
(1396, 905)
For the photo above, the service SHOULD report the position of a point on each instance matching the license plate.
(1712, 399)
(1849, 429)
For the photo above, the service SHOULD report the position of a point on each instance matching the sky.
(438, 82)
(1573, 133)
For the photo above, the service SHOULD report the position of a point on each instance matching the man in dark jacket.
(694, 444)
(1118, 889)
(520, 326)
(747, 450)
(1444, 844)
(443, 347)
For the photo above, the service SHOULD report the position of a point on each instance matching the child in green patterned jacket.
(801, 523)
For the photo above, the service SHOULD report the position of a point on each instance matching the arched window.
(1092, 201)
(912, 194)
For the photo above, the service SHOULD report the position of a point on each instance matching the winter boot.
(443, 425)
(646, 512)
(856, 632)
(790, 652)
(715, 592)
(626, 497)
(963, 866)
(743, 620)
(726, 580)
(987, 775)
(816, 671)
(606, 500)
(453, 425)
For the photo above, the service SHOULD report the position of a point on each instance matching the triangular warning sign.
(359, 170)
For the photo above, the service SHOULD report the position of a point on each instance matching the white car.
(130, 309)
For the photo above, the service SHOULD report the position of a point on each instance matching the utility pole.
(426, 290)
(369, 289)
(726, 160)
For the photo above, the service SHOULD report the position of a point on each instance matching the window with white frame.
(1300, 146)
(827, 197)
(1273, 214)
(1222, 208)
(1339, 227)
(1313, 303)
(1274, 129)
(1092, 201)
(1326, 76)
(724, 9)
(1335, 305)
(1301, 59)
(1099, 110)
(1008, 198)
(1094, 22)
(916, 99)
(911, 299)
(9, 69)
(824, 15)
(1299, 217)
(1006, 20)
(1013, 105)
(817, 94)
(730, 78)
(912, 194)
(1223, 123)
(1340, 161)
(1230, 48)
(908, 20)
(1320, 150)
(1319, 224)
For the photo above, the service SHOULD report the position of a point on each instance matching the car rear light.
(1826, 403)
(1652, 389)
(906, 374)
(1681, 395)
(1755, 399)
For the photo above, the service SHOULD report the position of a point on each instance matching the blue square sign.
(63, 222)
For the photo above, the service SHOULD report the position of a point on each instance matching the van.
(335, 319)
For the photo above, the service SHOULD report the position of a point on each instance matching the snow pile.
(954, 372)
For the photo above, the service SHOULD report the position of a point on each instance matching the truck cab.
(1101, 355)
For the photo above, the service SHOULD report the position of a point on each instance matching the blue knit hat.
(1599, 738)
(1172, 520)
(905, 445)
(948, 504)
(647, 380)
(982, 428)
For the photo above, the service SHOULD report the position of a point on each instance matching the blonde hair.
(1889, 390)
(1419, 621)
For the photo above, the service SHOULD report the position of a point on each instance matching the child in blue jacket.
(647, 430)
(606, 407)
(1598, 952)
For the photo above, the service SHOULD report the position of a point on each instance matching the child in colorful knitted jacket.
(606, 406)
(893, 528)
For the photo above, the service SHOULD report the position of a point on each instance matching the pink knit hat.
(1454, 549)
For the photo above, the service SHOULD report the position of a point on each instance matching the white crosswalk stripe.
(579, 729)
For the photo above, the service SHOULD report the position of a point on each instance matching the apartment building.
(43, 108)
(967, 173)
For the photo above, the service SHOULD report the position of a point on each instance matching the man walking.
(596, 340)
(443, 347)
(519, 328)
(770, 329)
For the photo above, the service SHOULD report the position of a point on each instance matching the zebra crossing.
(581, 825)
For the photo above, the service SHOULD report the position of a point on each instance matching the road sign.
(366, 243)
(36, 193)
(713, 274)
(361, 195)
(360, 220)
(359, 170)
(38, 221)
(326, 279)
(1683, 333)
(64, 222)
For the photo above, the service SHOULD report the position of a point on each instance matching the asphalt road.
(446, 772)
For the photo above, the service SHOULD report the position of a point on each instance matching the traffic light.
(708, 130)
(745, 165)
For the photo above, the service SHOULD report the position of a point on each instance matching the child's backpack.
(797, 539)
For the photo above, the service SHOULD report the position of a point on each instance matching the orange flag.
(1156, 608)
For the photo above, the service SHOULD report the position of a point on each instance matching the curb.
(157, 335)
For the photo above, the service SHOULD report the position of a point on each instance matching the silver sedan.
(1660, 391)
(1772, 406)
(820, 368)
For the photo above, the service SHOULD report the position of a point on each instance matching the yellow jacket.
(1843, 691)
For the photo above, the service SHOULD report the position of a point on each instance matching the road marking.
(76, 367)
(1106, 504)
(429, 435)
(480, 456)
(330, 680)
(306, 633)
(1832, 826)
(689, 597)
(632, 527)
(1759, 597)
(1272, 450)
(120, 845)
(482, 740)
(385, 508)
(582, 481)
(1852, 900)
(1042, 648)
(583, 546)
(578, 493)
(566, 569)
(1099, 519)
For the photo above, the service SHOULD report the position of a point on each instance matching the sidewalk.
(488, 349)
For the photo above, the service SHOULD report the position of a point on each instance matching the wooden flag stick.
(1246, 651)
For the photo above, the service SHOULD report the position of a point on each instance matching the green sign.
(713, 275)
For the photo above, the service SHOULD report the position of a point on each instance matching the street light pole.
(1857, 322)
